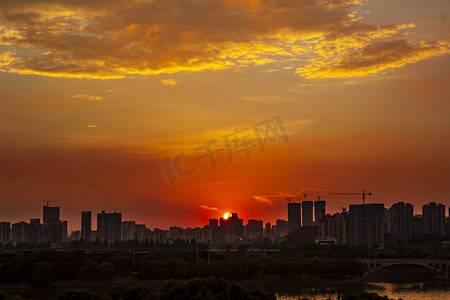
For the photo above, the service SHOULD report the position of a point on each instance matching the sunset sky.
(96, 96)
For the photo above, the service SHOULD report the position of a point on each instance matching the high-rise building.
(75, 235)
(5, 232)
(86, 226)
(50, 214)
(335, 226)
(63, 231)
(93, 235)
(213, 232)
(231, 228)
(268, 229)
(448, 222)
(254, 229)
(141, 232)
(307, 213)
(319, 211)
(401, 220)
(109, 226)
(213, 223)
(51, 224)
(20, 232)
(366, 225)
(102, 227)
(418, 224)
(282, 227)
(55, 230)
(128, 230)
(294, 216)
(433, 218)
(36, 231)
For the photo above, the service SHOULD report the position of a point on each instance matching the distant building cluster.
(365, 224)
(362, 224)
(111, 229)
(52, 230)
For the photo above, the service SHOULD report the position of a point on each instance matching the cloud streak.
(209, 207)
(169, 81)
(264, 199)
(99, 39)
(89, 97)
(304, 189)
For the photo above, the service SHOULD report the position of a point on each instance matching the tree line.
(186, 260)
(45, 267)
(196, 288)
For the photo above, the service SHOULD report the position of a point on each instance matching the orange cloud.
(375, 58)
(104, 39)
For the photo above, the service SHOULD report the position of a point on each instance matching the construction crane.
(293, 198)
(304, 196)
(363, 194)
(48, 201)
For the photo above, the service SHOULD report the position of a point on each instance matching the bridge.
(440, 266)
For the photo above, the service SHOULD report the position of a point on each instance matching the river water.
(417, 290)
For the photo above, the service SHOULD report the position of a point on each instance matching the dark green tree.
(106, 270)
(153, 269)
(132, 293)
(89, 270)
(42, 274)
(9, 266)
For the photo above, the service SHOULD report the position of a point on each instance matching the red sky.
(91, 108)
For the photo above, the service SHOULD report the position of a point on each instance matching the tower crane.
(318, 197)
(292, 198)
(48, 201)
(363, 195)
